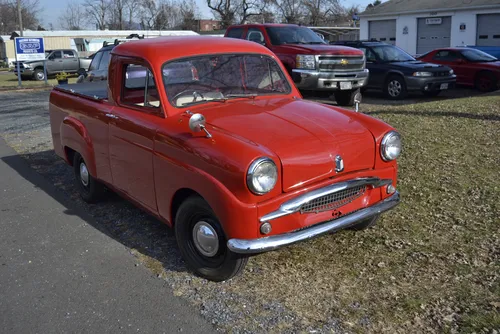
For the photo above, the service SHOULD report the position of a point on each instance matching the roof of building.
(162, 49)
(393, 7)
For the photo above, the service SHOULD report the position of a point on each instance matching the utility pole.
(20, 18)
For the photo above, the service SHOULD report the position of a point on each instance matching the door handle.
(111, 116)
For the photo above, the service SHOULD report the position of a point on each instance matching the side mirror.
(197, 124)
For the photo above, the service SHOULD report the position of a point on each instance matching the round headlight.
(262, 176)
(390, 148)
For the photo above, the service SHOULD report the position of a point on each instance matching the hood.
(306, 136)
(322, 49)
(420, 65)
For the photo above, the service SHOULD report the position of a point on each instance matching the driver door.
(377, 70)
(455, 61)
(55, 62)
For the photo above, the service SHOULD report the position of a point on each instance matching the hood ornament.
(339, 164)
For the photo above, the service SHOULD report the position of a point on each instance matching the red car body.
(156, 161)
(483, 75)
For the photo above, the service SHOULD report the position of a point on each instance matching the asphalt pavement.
(60, 274)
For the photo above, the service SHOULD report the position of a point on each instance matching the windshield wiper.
(248, 96)
(202, 101)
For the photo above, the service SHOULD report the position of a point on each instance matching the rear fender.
(75, 136)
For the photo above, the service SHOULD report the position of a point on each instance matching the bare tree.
(290, 11)
(97, 11)
(322, 12)
(159, 14)
(231, 11)
(189, 13)
(9, 18)
(73, 17)
(223, 10)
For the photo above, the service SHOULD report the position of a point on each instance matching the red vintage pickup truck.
(215, 140)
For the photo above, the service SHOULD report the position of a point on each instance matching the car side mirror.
(197, 124)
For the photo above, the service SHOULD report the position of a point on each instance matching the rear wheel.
(346, 98)
(89, 188)
(364, 224)
(395, 87)
(202, 242)
(486, 82)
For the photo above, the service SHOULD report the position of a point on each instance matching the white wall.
(409, 42)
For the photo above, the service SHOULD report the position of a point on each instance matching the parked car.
(57, 61)
(231, 156)
(491, 50)
(396, 73)
(472, 67)
(313, 64)
(98, 68)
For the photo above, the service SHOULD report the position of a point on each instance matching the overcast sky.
(52, 10)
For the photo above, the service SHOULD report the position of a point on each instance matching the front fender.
(74, 135)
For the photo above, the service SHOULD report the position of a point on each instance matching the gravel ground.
(393, 278)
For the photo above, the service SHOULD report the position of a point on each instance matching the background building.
(424, 25)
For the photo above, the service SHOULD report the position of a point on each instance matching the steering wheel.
(192, 92)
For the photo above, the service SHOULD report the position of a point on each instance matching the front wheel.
(39, 75)
(202, 242)
(395, 87)
(486, 82)
(346, 98)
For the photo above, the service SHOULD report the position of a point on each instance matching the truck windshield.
(293, 35)
(477, 56)
(218, 78)
(391, 53)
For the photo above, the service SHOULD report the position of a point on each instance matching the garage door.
(433, 33)
(384, 31)
(488, 30)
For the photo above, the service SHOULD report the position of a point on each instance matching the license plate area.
(443, 86)
(345, 85)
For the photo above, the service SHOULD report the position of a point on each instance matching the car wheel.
(89, 188)
(486, 82)
(202, 242)
(346, 98)
(395, 87)
(364, 224)
(38, 75)
(432, 93)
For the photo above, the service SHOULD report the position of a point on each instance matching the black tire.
(346, 98)
(92, 190)
(395, 87)
(39, 75)
(432, 93)
(81, 72)
(486, 82)
(221, 266)
(364, 224)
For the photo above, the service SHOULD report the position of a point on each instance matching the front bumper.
(28, 72)
(429, 84)
(318, 80)
(260, 245)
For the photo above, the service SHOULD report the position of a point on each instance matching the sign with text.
(30, 48)
(433, 20)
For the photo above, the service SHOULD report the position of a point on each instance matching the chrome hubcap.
(40, 76)
(394, 88)
(84, 174)
(205, 239)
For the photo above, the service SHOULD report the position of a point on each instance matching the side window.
(235, 33)
(69, 54)
(55, 55)
(370, 56)
(139, 88)
(104, 61)
(446, 56)
(255, 35)
(94, 65)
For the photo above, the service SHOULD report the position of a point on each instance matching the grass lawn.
(10, 80)
(430, 265)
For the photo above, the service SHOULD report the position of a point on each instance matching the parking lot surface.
(430, 266)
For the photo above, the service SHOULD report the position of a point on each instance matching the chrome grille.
(333, 201)
(340, 63)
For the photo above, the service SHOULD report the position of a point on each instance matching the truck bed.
(95, 90)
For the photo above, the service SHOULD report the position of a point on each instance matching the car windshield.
(391, 53)
(477, 56)
(293, 35)
(217, 78)
(47, 53)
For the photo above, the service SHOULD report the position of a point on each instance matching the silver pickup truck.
(57, 61)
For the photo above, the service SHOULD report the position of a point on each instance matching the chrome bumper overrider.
(260, 245)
